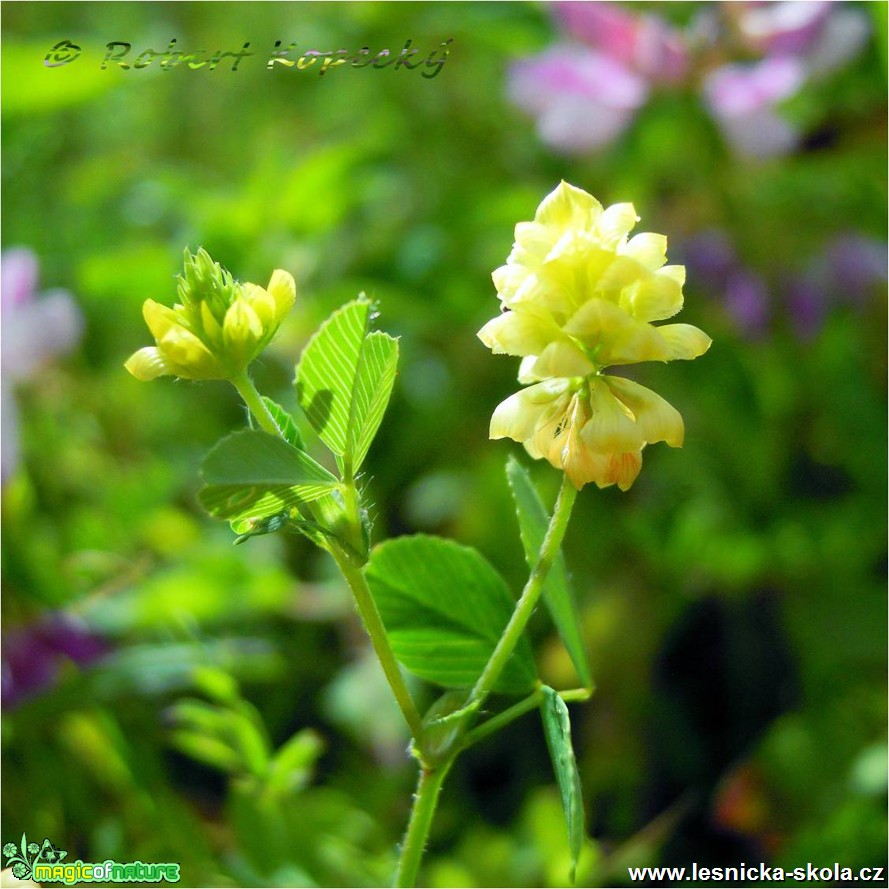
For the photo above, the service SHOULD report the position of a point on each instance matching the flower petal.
(263, 303)
(526, 371)
(241, 324)
(18, 279)
(562, 359)
(657, 296)
(685, 341)
(519, 333)
(615, 223)
(612, 425)
(520, 415)
(148, 364)
(619, 272)
(188, 357)
(656, 418)
(568, 206)
(614, 336)
(647, 248)
(622, 470)
(282, 287)
(581, 464)
(508, 279)
(533, 242)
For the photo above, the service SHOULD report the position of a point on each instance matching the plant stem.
(373, 623)
(248, 391)
(501, 719)
(425, 801)
(497, 722)
(351, 572)
(530, 595)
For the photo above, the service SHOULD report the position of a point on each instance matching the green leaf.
(210, 751)
(557, 727)
(373, 387)
(445, 608)
(291, 767)
(283, 421)
(343, 382)
(229, 738)
(557, 591)
(250, 474)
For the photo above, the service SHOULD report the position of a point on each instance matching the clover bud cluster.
(578, 296)
(219, 326)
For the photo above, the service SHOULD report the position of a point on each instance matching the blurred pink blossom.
(33, 330)
(824, 33)
(585, 89)
(787, 26)
(645, 44)
(742, 100)
(582, 98)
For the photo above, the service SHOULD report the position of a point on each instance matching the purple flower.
(747, 301)
(34, 329)
(712, 256)
(34, 654)
(806, 298)
(713, 262)
(849, 269)
(856, 264)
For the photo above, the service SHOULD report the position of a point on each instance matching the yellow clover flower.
(578, 296)
(219, 327)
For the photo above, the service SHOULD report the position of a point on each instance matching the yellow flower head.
(578, 296)
(217, 329)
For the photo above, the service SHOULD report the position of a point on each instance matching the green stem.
(351, 571)
(373, 623)
(255, 404)
(501, 719)
(530, 595)
(577, 694)
(425, 801)
(495, 723)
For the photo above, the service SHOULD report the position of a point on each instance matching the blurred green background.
(733, 601)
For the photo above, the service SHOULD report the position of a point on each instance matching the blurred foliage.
(733, 601)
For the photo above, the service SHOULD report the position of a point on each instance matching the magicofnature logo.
(45, 863)
(23, 859)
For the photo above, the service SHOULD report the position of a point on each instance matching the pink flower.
(783, 27)
(585, 90)
(644, 44)
(823, 33)
(743, 97)
(582, 98)
(34, 329)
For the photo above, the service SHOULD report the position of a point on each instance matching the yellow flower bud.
(217, 330)
(242, 331)
(282, 287)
